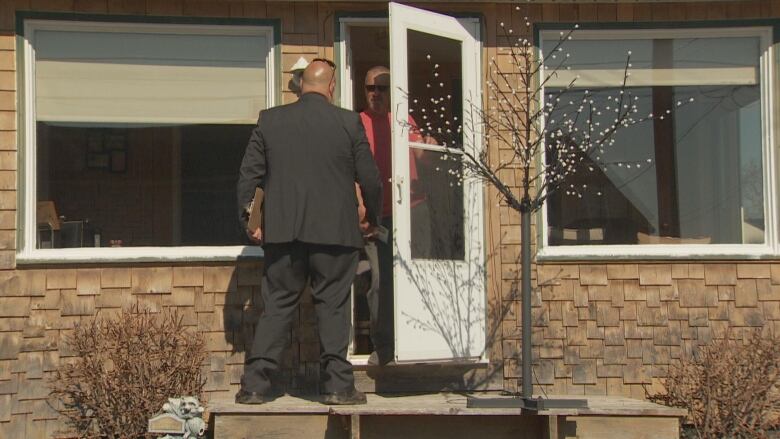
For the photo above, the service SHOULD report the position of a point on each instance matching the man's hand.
(368, 230)
(255, 236)
(365, 226)
(361, 206)
(423, 156)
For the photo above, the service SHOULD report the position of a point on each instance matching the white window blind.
(590, 78)
(161, 76)
(589, 62)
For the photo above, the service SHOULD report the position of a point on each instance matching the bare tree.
(546, 136)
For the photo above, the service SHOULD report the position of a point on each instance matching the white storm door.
(439, 268)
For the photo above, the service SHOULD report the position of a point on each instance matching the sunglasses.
(380, 88)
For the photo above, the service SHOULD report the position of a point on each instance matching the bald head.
(375, 71)
(319, 77)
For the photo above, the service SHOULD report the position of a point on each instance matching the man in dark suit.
(306, 157)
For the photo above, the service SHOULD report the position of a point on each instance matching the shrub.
(730, 388)
(125, 370)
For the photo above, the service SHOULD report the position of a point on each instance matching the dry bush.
(126, 368)
(730, 388)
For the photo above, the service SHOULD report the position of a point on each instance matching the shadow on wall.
(449, 307)
(444, 291)
(242, 307)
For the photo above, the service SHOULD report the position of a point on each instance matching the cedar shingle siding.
(605, 328)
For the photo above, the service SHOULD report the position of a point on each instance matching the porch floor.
(437, 404)
(442, 415)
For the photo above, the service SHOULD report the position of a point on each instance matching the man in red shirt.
(377, 121)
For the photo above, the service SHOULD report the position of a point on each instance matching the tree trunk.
(525, 224)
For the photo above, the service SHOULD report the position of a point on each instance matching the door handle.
(399, 184)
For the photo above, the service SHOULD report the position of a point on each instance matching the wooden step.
(440, 416)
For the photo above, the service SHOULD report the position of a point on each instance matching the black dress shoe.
(244, 397)
(376, 359)
(352, 396)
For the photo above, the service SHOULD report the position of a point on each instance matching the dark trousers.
(331, 270)
(380, 295)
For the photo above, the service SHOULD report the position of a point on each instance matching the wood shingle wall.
(615, 328)
(39, 307)
(606, 328)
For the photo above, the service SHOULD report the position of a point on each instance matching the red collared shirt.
(379, 137)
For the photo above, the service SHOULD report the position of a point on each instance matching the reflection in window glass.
(436, 193)
(138, 186)
(695, 177)
(435, 86)
(140, 131)
(437, 220)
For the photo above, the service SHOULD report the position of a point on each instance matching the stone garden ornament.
(182, 418)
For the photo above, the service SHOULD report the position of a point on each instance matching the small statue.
(188, 412)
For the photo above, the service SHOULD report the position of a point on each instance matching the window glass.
(436, 195)
(140, 186)
(139, 135)
(694, 176)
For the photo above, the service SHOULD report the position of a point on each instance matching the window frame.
(27, 25)
(769, 120)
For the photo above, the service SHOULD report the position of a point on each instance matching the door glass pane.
(436, 215)
(435, 106)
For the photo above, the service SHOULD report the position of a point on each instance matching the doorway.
(438, 270)
(365, 45)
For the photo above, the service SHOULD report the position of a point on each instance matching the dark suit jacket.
(307, 156)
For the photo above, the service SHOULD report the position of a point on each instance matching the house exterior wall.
(614, 327)
(599, 328)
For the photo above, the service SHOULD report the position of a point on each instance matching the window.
(134, 136)
(695, 179)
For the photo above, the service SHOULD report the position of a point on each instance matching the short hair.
(376, 70)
